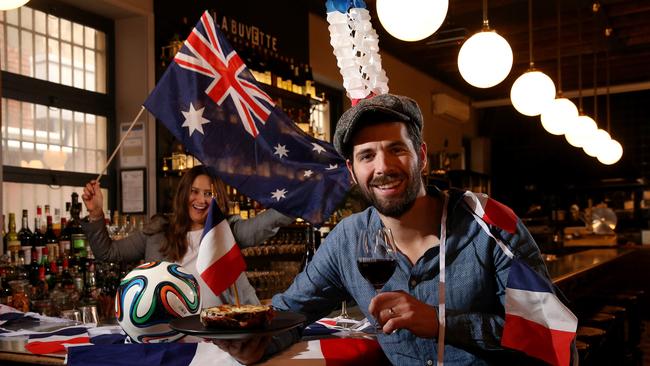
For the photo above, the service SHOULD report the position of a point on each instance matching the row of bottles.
(61, 237)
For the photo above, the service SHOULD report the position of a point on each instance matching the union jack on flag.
(210, 101)
(204, 54)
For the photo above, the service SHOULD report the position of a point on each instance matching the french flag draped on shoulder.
(211, 102)
(219, 261)
(537, 322)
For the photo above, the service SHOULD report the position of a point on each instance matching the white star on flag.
(332, 167)
(279, 194)
(281, 150)
(308, 173)
(194, 119)
(319, 149)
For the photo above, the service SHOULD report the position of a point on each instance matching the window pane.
(66, 64)
(89, 35)
(53, 60)
(40, 57)
(66, 30)
(13, 46)
(26, 54)
(90, 70)
(52, 26)
(26, 17)
(39, 136)
(12, 16)
(41, 46)
(78, 33)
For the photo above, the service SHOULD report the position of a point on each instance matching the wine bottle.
(25, 236)
(13, 242)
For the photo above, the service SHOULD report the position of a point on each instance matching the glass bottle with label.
(12, 240)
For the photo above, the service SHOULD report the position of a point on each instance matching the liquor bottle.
(42, 288)
(66, 277)
(56, 222)
(12, 240)
(43, 222)
(38, 239)
(64, 239)
(25, 235)
(45, 263)
(51, 241)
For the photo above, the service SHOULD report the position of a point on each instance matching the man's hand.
(399, 310)
(94, 200)
(245, 351)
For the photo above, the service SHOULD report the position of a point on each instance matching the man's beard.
(396, 206)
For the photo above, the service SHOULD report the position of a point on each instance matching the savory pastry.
(237, 317)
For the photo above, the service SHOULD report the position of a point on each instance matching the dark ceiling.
(584, 24)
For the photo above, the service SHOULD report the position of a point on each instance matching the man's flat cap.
(384, 108)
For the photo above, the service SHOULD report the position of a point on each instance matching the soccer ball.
(150, 296)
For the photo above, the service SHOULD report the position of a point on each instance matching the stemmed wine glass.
(376, 258)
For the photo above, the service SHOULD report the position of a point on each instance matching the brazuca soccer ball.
(150, 296)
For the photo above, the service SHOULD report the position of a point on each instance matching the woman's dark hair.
(175, 246)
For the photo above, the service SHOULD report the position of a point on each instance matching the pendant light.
(600, 138)
(12, 4)
(533, 90)
(612, 152)
(561, 112)
(579, 132)
(485, 59)
(411, 20)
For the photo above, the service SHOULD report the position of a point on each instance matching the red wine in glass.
(376, 270)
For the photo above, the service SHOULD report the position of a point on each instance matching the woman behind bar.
(177, 240)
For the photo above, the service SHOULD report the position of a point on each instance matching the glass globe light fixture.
(532, 92)
(485, 59)
(610, 153)
(580, 130)
(12, 4)
(411, 20)
(558, 115)
(596, 142)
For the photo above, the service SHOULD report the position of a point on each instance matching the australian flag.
(211, 102)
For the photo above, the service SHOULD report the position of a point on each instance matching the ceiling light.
(12, 4)
(558, 115)
(485, 59)
(596, 142)
(532, 92)
(411, 20)
(580, 130)
(611, 153)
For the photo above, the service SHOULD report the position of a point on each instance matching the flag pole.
(119, 145)
(234, 284)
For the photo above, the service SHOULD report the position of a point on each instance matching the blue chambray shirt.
(476, 277)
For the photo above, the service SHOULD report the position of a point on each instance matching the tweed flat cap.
(382, 107)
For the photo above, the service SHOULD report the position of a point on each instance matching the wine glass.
(376, 258)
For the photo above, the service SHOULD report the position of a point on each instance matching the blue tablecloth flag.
(211, 102)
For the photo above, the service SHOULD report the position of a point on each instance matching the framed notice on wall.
(133, 193)
(132, 152)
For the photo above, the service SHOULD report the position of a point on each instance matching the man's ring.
(391, 311)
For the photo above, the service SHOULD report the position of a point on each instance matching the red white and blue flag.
(537, 322)
(211, 102)
(57, 341)
(219, 261)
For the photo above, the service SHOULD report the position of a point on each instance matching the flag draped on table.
(325, 352)
(210, 101)
(55, 342)
(537, 322)
(219, 261)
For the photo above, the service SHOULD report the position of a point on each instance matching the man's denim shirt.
(476, 277)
